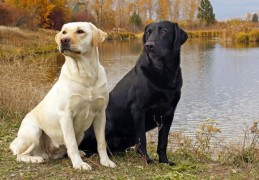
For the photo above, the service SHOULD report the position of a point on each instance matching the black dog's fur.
(147, 95)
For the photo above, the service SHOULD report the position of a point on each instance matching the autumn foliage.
(131, 15)
(115, 15)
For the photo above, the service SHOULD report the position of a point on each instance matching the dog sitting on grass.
(78, 99)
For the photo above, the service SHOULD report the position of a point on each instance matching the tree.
(38, 13)
(163, 9)
(103, 10)
(193, 10)
(255, 18)
(121, 14)
(150, 6)
(174, 10)
(136, 21)
(205, 13)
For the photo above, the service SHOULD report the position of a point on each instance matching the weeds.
(204, 135)
(244, 153)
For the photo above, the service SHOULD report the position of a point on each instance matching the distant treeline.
(131, 15)
(107, 14)
(122, 17)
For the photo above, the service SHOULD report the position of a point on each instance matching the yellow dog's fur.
(77, 100)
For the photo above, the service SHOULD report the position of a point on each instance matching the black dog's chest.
(160, 107)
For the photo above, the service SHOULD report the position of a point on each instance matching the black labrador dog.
(146, 97)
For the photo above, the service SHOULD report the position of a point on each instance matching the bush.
(6, 15)
(241, 37)
(253, 36)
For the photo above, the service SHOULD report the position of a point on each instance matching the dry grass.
(25, 82)
(18, 43)
(233, 31)
(27, 67)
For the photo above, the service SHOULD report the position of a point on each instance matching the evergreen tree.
(205, 13)
(136, 20)
(255, 18)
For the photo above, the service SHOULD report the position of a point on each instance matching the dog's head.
(78, 38)
(162, 37)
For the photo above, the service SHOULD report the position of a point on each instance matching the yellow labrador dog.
(78, 99)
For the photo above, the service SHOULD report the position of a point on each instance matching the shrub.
(5, 14)
(253, 35)
(241, 37)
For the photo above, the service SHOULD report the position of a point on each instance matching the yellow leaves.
(38, 10)
(163, 11)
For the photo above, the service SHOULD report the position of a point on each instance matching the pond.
(221, 82)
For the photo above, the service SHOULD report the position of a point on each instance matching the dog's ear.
(98, 35)
(180, 37)
(57, 39)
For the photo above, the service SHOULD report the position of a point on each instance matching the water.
(221, 82)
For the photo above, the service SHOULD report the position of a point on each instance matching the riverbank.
(26, 79)
(243, 32)
(251, 35)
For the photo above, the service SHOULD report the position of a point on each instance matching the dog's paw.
(82, 166)
(30, 159)
(108, 163)
(171, 163)
(150, 161)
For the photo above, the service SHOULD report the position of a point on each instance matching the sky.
(229, 9)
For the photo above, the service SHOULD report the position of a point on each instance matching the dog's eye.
(147, 33)
(64, 32)
(163, 31)
(80, 32)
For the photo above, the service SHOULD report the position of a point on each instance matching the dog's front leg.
(66, 122)
(163, 138)
(99, 129)
(140, 131)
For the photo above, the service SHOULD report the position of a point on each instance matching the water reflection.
(118, 57)
(219, 83)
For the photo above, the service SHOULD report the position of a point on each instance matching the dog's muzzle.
(65, 44)
(150, 47)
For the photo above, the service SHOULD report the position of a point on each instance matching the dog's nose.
(65, 40)
(149, 45)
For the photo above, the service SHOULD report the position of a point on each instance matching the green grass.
(129, 164)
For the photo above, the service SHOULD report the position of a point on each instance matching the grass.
(26, 62)
(19, 43)
(191, 163)
(26, 77)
